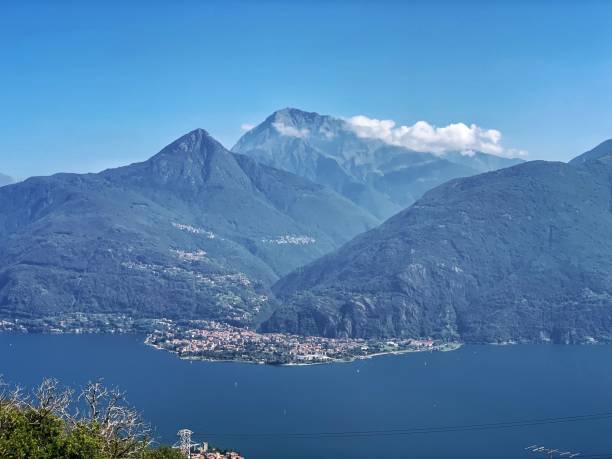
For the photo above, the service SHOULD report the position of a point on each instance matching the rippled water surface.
(474, 385)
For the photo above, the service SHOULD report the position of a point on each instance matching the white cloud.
(247, 126)
(425, 137)
(290, 131)
(516, 153)
(329, 134)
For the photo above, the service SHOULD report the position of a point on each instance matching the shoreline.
(146, 329)
(373, 356)
(444, 347)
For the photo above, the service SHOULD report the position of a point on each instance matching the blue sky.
(89, 85)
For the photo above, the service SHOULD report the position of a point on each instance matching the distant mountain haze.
(194, 232)
(5, 180)
(379, 177)
(515, 255)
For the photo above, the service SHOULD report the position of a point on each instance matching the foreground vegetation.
(53, 422)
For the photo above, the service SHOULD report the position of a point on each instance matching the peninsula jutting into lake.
(216, 341)
(202, 340)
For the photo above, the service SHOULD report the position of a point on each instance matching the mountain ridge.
(193, 232)
(515, 255)
(602, 150)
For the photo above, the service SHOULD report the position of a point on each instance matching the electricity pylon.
(184, 444)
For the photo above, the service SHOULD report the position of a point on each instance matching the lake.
(473, 385)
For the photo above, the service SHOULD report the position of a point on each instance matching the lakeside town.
(208, 340)
(206, 451)
(80, 323)
(215, 455)
(218, 341)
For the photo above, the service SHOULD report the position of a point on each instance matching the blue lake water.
(474, 385)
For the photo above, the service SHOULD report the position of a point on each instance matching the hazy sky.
(89, 85)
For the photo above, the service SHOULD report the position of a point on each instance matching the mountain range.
(522, 254)
(193, 232)
(287, 237)
(379, 177)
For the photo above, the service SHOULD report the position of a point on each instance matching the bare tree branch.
(104, 411)
(50, 398)
(121, 427)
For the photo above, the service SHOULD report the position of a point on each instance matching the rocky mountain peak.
(185, 166)
(294, 114)
(193, 145)
(379, 177)
(295, 123)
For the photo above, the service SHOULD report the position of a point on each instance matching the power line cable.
(418, 430)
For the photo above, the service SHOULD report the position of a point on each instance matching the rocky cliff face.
(194, 232)
(382, 179)
(519, 254)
